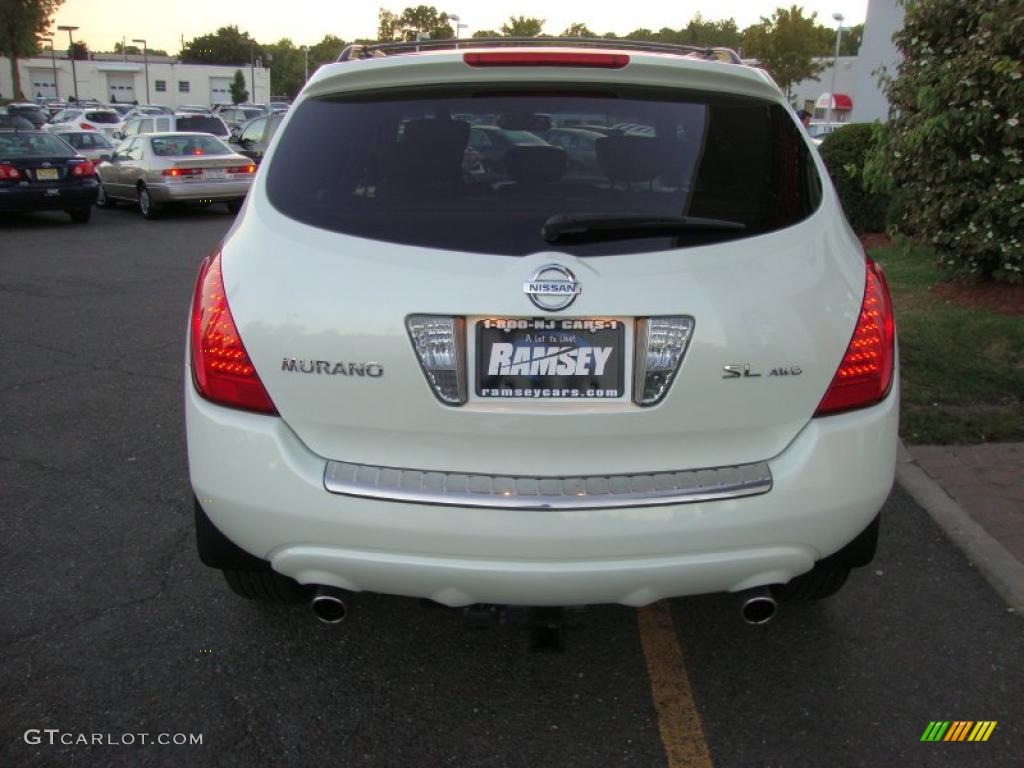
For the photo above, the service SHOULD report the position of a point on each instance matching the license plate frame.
(578, 359)
(215, 174)
(47, 174)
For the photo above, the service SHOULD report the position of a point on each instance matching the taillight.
(242, 168)
(87, 126)
(176, 172)
(83, 169)
(8, 172)
(661, 344)
(865, 373)
(221, 368)
(546, 59)
(440, 345)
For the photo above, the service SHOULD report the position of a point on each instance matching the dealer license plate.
(546, 358)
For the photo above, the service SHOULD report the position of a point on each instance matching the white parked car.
(100, 119)
(545, 386)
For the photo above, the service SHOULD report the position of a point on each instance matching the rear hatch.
(709, 293)
(106, 120)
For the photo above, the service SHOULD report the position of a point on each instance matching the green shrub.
(844, 152)
(953, 146)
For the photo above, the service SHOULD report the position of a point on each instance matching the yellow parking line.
(682, 733)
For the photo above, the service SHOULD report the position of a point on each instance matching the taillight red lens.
(9, 172)
(175, 172)
(242, 169)
(546, 59)
(221, 368)
(83, 169)
(865, 374)
(87, 126)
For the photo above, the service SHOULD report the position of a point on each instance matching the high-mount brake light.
(865, 373)
(594, 60)
(221, 369)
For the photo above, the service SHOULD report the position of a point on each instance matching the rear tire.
(268, 586)
(829, 575)
(148, 208)
(817, 584)
(102, 201)
(80, 215)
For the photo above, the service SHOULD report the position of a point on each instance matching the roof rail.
(360, 51)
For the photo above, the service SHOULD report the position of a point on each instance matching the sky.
(163, 22)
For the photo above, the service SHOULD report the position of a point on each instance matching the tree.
(228, 45)
(239, 93)
(134, 50)
(785, 44)
(522, 26)
(387, 25)
(954, 153)
(288, 67)
(79, 50)
(578, 30)
(423, 20)
(325, 52)
(486, 33)
(21, 22)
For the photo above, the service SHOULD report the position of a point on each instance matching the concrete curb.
(993, 561)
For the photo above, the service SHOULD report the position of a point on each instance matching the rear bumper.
(217, 191)
(265, 491)
(32, 197)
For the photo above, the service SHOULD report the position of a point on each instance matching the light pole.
(71, 55)
(458, 24)
(305, 50)
(835, 65)
(252, 72)
(53, 61)
(270, 60)
(145, 59)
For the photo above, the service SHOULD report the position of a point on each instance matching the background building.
(108, 76)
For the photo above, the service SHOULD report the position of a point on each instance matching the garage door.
(121, 87)
(220, 90)
(42, 84)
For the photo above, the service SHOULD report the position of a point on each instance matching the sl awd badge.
(552, 287)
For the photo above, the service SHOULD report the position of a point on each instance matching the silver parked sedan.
(160, 168)
(91, 144)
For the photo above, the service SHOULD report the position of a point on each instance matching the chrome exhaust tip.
(758, 606)
(328, 605)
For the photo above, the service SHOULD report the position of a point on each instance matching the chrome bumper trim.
(455, 489)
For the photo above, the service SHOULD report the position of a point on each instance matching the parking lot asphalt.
(112, 626)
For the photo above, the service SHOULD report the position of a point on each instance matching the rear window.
(177, 146)
(202, 124)
(472, 171)
(20, 145)
(103, 117)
